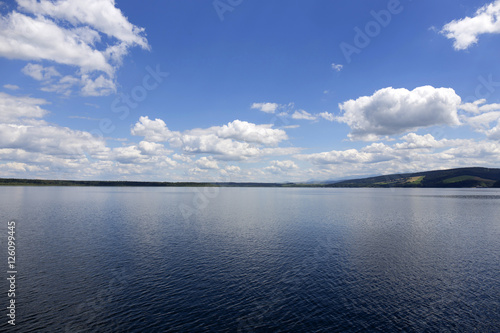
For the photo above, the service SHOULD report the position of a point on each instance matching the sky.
(247, 91)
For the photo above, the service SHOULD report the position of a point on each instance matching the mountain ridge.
(449, 178)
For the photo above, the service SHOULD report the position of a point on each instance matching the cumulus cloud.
(392, 111)
(465, 31)
(152, 148)
(182, 158)
(50, 140)
(278, 167)
(485, 118)
(414, 141)
(377, 152)
(69, 32)
(207, 163)
(412, 144)
(237, 140)
(265, 107)
(12, 108)
(211, 144)
(248, 132)
(143, 153)
(30, 146)
(232, 169)
(152, 130)
(411, 153)
(415, 153)
(494, 133)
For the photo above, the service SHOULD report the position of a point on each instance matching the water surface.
(96, 259)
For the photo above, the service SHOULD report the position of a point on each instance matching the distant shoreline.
(475, 177)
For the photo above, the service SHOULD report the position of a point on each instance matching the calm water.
(253, 259)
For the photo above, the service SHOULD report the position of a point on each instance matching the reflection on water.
(255, 259)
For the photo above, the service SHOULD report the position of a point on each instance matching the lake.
(103, 259)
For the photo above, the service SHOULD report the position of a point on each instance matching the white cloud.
(326, 115)
(337, 67)
(377, 152)
(152, 130)
(143, 153)
(62, 86)
(50, 140)
(101, 15)
(426, 141)
(477, 107)
(152, 148)
(211, 144)
(27, 38)
(69, 32)
(38, 72)
(31, 147)
(12, 108)
(238, 140)
(287, 110)
(465, 31)
(487, 123)
(415, 153)
(303, 115)
(182, 158)
(494, 133)
(486, 118)
(278, 167)
(248, 132)
(18, 167)
(11, 86)
(414, 141)
(97, 87)
(233, 169)
(392, 111)
(413, 145)
(483, 121)
(207, 163)
(265, 107)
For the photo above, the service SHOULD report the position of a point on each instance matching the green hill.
(461, 177)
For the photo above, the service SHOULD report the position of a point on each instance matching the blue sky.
(239, 90)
